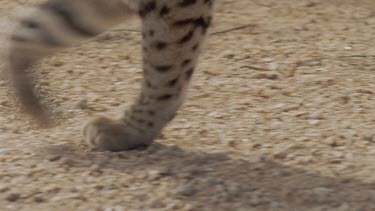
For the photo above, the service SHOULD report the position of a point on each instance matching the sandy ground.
(281, 116)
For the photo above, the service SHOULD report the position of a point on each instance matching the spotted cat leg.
(49, 27)
(173, 34)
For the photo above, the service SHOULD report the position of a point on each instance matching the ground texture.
(281, 116)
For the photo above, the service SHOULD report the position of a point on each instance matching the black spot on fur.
(184, 22)
(189, 73)
(163, 68)
(164, 10)
(148, 84)
(200, 22)
(164, 97)
(195, 47)
(151, 33)
(206, 25)
(185, 62)
(151, 113)
(160, 45)
(150, 124)
(203, 23)
(185, 3)
(147, 8)
(187, 37)
(30, 24)
(173, 82)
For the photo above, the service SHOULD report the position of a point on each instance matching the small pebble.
(368, 137)
(316, 115)
(82, 104)
(53, 158)
(4, 188)
(186, 190)
(331, 141)
(313, 121)
(270, 76)
(13, 197)
(38, 199)
(322, 190)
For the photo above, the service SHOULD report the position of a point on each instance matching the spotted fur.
(173, 33)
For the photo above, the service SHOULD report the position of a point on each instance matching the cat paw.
(103, 133)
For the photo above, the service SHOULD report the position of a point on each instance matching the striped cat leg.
(173, 35)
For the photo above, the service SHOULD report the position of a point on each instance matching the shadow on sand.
(217, 182)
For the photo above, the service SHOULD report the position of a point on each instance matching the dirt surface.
(281, 116)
